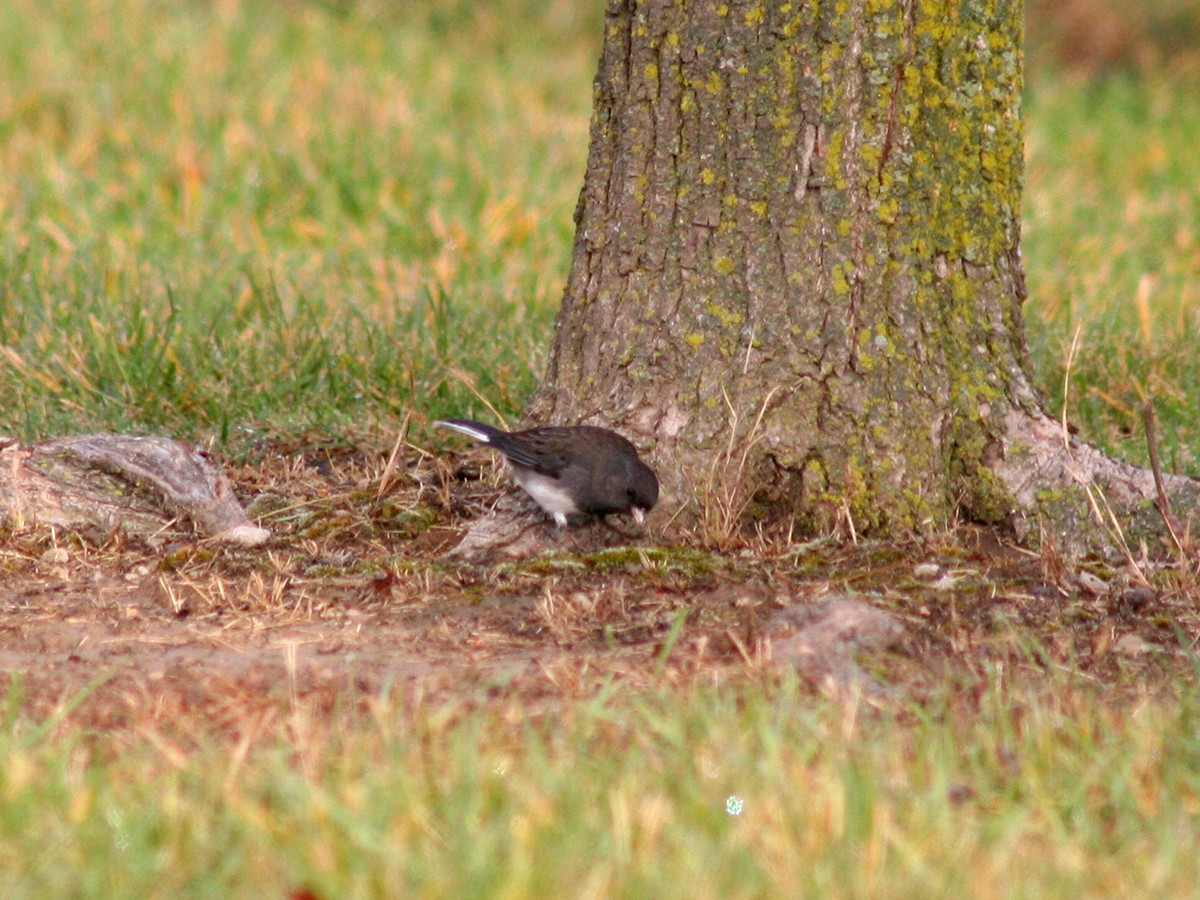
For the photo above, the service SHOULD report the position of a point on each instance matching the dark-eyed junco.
(572, 470)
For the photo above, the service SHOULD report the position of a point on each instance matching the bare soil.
(351, 599)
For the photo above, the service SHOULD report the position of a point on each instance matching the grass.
(221, 218)
(1112, 245)
(228, 220)
(695, 792)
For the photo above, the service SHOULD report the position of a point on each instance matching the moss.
(315, 523)
(683, 561)
(883, 314)
(267, 503)
(336, 571)
(972, 220)
(189, 554)
(406, 522)
(987, 499)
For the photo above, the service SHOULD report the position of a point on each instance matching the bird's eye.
(630, 494)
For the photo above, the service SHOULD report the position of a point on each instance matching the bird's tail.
(485, 434)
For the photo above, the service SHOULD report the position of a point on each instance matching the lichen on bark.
(796, 278)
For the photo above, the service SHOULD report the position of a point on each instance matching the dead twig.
(1163, 502)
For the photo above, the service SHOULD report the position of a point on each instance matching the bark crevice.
(797, 260)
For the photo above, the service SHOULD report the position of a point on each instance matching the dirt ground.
(351, 599)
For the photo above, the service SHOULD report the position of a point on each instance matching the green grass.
(223, 219)
(226, 217)
(664, 793)
(1112, 247)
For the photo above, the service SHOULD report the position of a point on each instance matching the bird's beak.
(639, 515)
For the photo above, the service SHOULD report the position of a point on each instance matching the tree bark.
(797, 277)
(103, 484)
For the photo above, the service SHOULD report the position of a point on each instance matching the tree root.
(1068, 491)
(515, 529)
(109, 483)
(509, 530)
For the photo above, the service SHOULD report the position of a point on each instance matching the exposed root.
(514, 529)
(507, 531)
(1082, 495)
(113, 482)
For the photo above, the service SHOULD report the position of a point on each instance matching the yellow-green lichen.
(728, 317)
(841, 284)
(723, 265)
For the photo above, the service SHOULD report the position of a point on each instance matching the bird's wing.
(533, 451)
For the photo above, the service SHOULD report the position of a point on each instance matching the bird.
(572, 470)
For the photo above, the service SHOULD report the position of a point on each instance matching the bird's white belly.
(549, 494)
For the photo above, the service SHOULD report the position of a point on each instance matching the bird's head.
(642, 492)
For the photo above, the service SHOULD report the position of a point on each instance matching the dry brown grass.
(350, 602)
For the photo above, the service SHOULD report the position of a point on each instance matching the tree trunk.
(797, 278)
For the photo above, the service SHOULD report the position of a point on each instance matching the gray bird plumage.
(572, 470)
